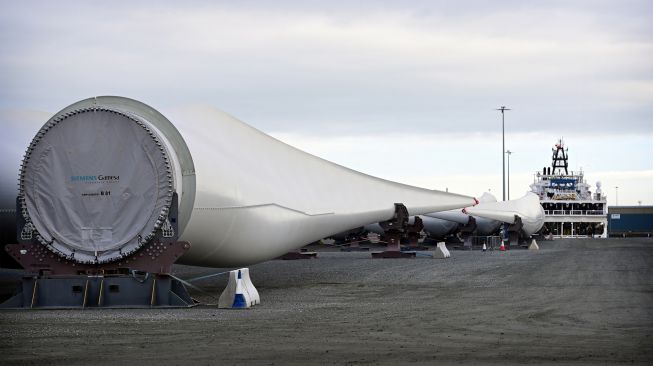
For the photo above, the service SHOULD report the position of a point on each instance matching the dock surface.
(575, 301)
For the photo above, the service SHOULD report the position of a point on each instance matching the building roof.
(630, 209)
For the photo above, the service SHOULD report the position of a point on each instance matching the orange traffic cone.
(502, 247)
(484, 247)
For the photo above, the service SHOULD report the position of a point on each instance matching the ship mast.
(559, 161)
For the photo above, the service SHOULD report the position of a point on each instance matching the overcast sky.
(405, 90)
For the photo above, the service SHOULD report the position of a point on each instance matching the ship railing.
(573, 212)
(595, 212)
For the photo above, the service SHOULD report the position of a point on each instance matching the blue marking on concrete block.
(239, 302)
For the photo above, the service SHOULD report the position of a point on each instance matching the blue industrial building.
(630, 221)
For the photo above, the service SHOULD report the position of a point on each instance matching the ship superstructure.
(571, 209)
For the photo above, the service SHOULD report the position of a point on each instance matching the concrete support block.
(253, 293)
(441, 251)
(235, 295)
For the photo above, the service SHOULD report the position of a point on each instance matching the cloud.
(417, 67)
(18, 129)
(396, 89)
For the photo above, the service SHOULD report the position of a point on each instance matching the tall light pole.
(616, 195)
(508, 152)
(503, 146)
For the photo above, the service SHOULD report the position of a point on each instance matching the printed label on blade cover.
(93, 179)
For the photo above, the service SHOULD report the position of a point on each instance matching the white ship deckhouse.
(571, 209)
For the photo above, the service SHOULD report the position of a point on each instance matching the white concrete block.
(249, 286)
(441, 251)
(235, 295)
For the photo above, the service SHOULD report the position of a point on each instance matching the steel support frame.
(141, 279)
(395, 230)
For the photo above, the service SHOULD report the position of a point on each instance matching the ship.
(571, 209)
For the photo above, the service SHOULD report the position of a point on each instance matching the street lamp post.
(616, 195)
(508, 152)
(503, 146)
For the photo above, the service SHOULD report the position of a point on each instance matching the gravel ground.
(573, 302)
